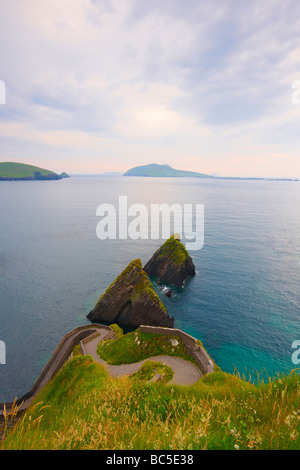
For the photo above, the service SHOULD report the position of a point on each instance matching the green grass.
(20, 170)
(174, 250)
(117, 330)
(137, 346)
(150, 369)
(84, 408)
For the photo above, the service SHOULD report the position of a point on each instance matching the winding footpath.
(89, 336)
(185, 372)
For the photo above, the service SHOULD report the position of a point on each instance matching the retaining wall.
(191, 345)
(55, 363)
(111, 335)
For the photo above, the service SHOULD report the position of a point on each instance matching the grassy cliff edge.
(13, 171)
(85, 408)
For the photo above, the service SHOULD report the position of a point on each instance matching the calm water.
(243, 303)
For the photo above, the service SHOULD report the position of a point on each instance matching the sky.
(94, 86)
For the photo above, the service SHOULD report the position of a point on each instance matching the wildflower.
(236, 447)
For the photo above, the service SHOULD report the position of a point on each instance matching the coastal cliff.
(171, 263)
(13, 171)
(131, 301)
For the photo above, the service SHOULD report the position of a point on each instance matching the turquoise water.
(243, 303)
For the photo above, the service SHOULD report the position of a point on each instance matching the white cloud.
(194, 80)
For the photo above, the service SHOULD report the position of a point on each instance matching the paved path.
(185, 372)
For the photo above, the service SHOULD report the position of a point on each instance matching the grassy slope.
(20, 170)
(84, 408)
(136, 346)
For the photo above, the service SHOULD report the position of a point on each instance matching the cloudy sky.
(105, 85)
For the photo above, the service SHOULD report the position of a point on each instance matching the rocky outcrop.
(171, 263)
(131, 301)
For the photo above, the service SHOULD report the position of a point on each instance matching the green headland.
(13, 171)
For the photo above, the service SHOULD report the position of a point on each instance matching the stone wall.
(110, 335)
(191, 345)
(57, 360)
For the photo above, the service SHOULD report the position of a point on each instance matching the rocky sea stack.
(131, 301)
(171, 263)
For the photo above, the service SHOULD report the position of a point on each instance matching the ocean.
(243, 303)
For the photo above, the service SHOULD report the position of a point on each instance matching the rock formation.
(131, 301)
(171, 263)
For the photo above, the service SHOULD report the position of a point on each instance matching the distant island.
(156, 170)
(162, 171)
(12, 171)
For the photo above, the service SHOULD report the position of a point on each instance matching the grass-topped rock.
(131, 301)
(171, 263)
